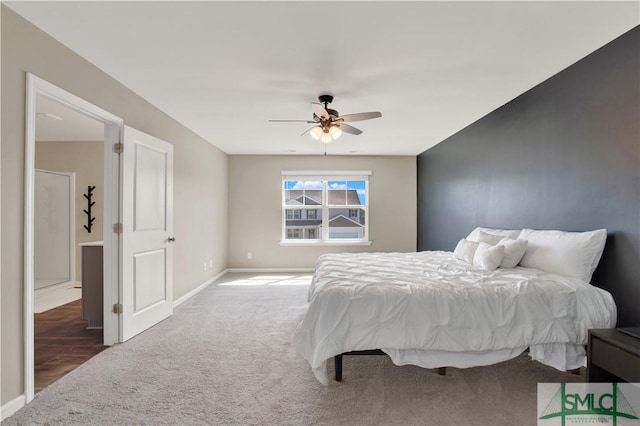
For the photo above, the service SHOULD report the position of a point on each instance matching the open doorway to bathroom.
(68, 227)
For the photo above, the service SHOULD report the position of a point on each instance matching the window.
(294, 214)
(335, 206)
(293, 233)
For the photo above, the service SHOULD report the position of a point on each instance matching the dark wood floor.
(62, 343)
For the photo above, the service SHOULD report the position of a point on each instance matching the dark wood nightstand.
(612, 356)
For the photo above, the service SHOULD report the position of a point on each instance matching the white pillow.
(492, 239)
(511, 233)
(573, 254)
(465, 250)
(513, 252)
(488, 256)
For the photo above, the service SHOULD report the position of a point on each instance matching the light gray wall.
(200, 175)
(255, 207)
(563, 155)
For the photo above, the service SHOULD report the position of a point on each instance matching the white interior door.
(147, 227)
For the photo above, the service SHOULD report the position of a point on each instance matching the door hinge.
(117, 228)
(117, 308)
(118, 148)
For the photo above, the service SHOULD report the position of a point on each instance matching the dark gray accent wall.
(564, 155)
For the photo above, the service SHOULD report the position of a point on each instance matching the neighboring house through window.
(325, 206)
(293, 233)
(294, 214)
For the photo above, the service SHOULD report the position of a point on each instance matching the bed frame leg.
(338, 364)
(442, 371)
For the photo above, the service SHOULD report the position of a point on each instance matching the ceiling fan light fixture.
(328, 124)
(335, 132)
(326, 137)
(316, 133)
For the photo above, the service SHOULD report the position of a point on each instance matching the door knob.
(171, 239)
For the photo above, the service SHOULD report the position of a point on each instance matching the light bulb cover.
(326, 137)
(335, 132)
(316, 133)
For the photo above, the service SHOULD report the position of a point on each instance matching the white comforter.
(405, 303)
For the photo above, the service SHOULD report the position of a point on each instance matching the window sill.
(317, 243)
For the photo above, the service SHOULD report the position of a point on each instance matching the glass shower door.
(52, 228)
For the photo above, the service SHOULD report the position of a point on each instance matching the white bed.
(432, 310)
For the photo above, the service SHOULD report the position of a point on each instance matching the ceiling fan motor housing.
(332, 112)
(325, 99)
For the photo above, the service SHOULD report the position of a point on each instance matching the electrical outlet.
(249, 255)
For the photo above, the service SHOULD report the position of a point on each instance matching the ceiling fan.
(328, 123)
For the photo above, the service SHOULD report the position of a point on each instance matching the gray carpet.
(226, 357)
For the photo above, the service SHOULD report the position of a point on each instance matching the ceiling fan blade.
(349, 129)
(291, 121)
(320, 110)
(360, 116)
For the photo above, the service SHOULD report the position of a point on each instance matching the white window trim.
(322, 175)
(323, 239)
(321, 243)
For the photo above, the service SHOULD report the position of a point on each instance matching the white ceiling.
(224, 68)
(72, 126)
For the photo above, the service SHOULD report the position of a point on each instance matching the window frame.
(325, 177)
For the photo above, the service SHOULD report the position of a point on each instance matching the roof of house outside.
(341, 221)
(314, 197)
(299, 200)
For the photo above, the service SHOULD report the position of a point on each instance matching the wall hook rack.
(87, 211)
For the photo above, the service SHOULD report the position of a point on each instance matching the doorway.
(68, 215)
(110, 130)
(137, 230)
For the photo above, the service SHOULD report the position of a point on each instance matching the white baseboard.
(198, 289)
(204, 285)
(269, 270)
(9, 409)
